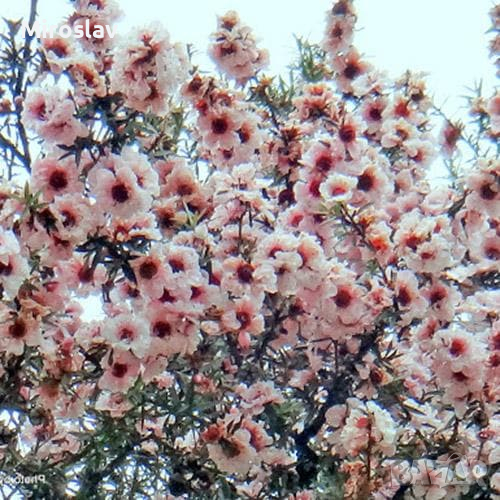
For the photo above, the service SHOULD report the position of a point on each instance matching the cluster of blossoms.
(235, 51)
(286, 306)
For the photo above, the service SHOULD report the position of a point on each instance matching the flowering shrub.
(289, 308)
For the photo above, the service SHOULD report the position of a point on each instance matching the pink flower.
(127, 331)
(75, 219)
(118, 192)
(484, 188)
(182, 265)
(350, 131)
(396, 131)
(372, 182)
(420, 149)
(150, 273)
(243, 149)
(443, 300)
(368, 424)
(178, 179)
(485, 248)
(85, 75)
(50, 113)
(324, 156)
(219, 127)
(316, 101)
(307, 191)
(346, 304)
(459, 363)
(408, 296)
(171, 333)
(280, 250)
(121, 369)
(372, 376)
(233, 454)
(54, 177)
(244, 278)
(231, 451)
(58, 52)
(244, 316)
(146, 175)
(18, 331)
(425, 242)
(348, 67)
(372, 110)
(337, 188)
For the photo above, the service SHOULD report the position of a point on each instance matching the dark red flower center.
(347, 133)
(437, 296)
(496, 341)
(460, 376)
(492, 253)
(148, 270)
(244, 272)
(69, 220)
(244, 135)
(162, 329)
(365, 182)
(494, 360)
(375, 114)
(244, 318)
(343, 298)
(457, 347)
(167, 297)
(324, 163)
(18, 329)
(401, 109)
(227, 50)
(229, 448)
(351, 71)
(126, 334)
(184, 190)
(286, 196)
(85, 274)
(376, 376)
(176, 264)
(219, 126)
(166, 219)
(404, 297)
(314, 187)
(58, 180)
(336, 32)
(195, 84)
(412, 241)
(487, 193)
(119, 370)
(119, 193)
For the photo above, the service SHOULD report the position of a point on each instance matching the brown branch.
(19, 90)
